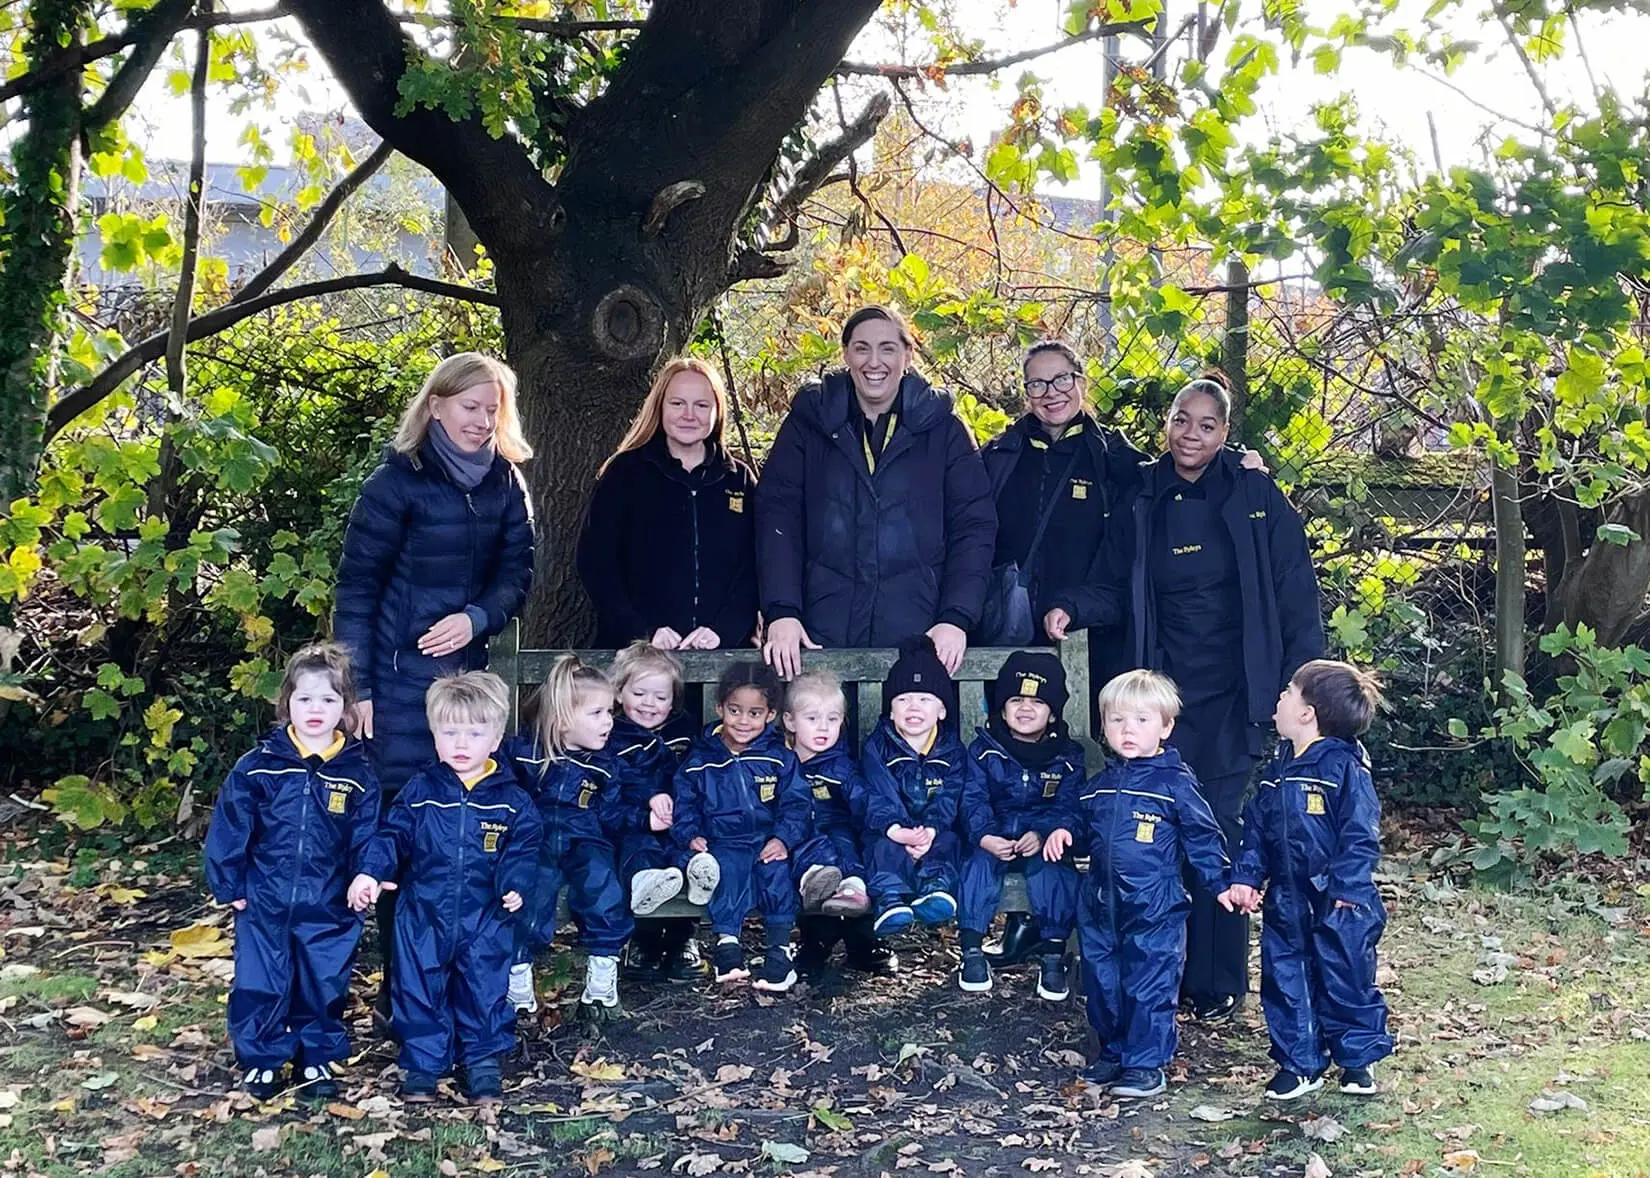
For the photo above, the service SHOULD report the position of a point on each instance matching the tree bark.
(1605, 589)
(688, 130)
(1510, 552)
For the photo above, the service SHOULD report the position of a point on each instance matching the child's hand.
(1338, 904)
(1028, 844)
(661, 812)
(363, 891)
(699, 844)
(1056, 845)
(773, 851)
(1239, 897)
(905, 836)
(511, 901)
(997, 847)
(928, 835)
(238, 905)
(915, 850)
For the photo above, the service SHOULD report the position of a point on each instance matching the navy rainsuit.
(1006, 798)
(839, 805)
(584, 820)
(736, 802)
(648, 759)
(455, 852)
(288, 834)
(868, 551)
(1311, 837)
(1139, 821)
(906, 788)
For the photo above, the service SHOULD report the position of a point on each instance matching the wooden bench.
(861, 671)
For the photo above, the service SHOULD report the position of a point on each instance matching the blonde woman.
(438, 555)
(668, 550)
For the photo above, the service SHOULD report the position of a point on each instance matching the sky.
(1397, 103)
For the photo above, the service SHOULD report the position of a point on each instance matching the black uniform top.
(667, 546)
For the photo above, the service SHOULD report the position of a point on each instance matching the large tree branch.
(990, 65)
(184, 300)
(73, 404)
(324, 213)
(565, 30)
(152, 33)
(494, 180)
(824, 162)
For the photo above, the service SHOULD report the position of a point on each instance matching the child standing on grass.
(1024, 772)
(1140, 819)
(291, 827)
(815, 707)
(914, 765)
(1312, 840)
(742, 805)
(566, 768)
(651, 734)
(462, 839)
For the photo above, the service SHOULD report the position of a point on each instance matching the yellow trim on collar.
(481, 774)
(326, 754)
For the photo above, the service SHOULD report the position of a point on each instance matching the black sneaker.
(1358, 1081)
(686, 964)
(1216, 1010)
(1139, 1083)
(778, 972)
(1018, 942)
(418, 1088)
(1288, 1085)
(1103, 1072)
(876, 959)
(263, 1083)
(317, 1080)
(482, 1082)
(1051, 978)
(729, 958)
(975, 975)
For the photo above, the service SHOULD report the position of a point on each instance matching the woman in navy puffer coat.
(438, 555)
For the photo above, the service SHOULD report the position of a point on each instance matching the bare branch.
(940, 69)
(566, 30)
(751, 263)
(75, 403)
(324, 213)
(1524, 57)
(817, 170)
(152, 33)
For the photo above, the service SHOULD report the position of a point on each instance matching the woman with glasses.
(1207, 564)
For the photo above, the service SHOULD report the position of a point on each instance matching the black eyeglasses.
(1061, 383)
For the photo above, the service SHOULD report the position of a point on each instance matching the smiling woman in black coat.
(668, 548)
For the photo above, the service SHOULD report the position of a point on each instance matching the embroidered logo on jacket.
(1145, 826)
(1314, 803)
(933, 785)
(1079, 489)
(337, 801)
(822, 793)
(490, 833)
(1051, 783)
(736, 502)
(1187, 549)
(767, 787)
(587, 791)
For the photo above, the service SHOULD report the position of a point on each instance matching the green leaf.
(1457, 728)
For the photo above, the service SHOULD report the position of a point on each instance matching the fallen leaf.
(1553, 1102)
(348, 1111)
(943, 1166)
(732, 1073)
(136, 999)
(266, 1139)
(1133, 1168)
(784, 1153)
(489, 1164)
(695, 1164)
(1326, 1129)
(600, 1070)
(100, 1081)
(147, 1022)
(448, 1168)
(9, 1097)
(86, 1016)
(1461, 1161)
(831, 1119)
(1316, 1167)
(596, 1159)
(201, 940)
(1210, 1112)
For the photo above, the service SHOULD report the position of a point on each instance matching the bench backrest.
(861, 671)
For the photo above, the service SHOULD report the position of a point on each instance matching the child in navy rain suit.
(462, 838)
(913, 766)
(290, 829)
(650, 737)
(1023, 773)
(1312, 839)
(1138, 820)
(741, 801)
(566, 767)
(814, 711)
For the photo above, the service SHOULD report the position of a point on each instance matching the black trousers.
(1217, 941)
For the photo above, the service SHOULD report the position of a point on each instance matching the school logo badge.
(1029, 686)
(1079, 489)
(586, 792)
(822, 793)
(736, 502)
(490, 833)
(1051, 784)
(1145, 832)
(1314, 803)
(767, 788)
(337, 801)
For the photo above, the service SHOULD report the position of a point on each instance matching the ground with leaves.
(1523, 1024)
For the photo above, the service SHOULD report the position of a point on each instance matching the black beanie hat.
(1034, 675)
(918, 668)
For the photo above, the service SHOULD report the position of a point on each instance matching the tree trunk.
(1509, 569)
(1605, 589)
(37, 240)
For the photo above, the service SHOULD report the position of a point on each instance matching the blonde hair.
(473, 697)
(1136, 688)
(451, 377)
(646, 423)
(569, 681)
(820, 686)
(321, 658)
(642, 658)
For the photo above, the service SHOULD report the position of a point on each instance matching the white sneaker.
(601, 982)
(652, 888)
(703, 874)
(523, 994)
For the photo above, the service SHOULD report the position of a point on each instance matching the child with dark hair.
(1025, 772)
(1312, 840)
(290, 829)
(913, 766)
(741, 807)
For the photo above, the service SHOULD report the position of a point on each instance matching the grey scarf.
(465, 469)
